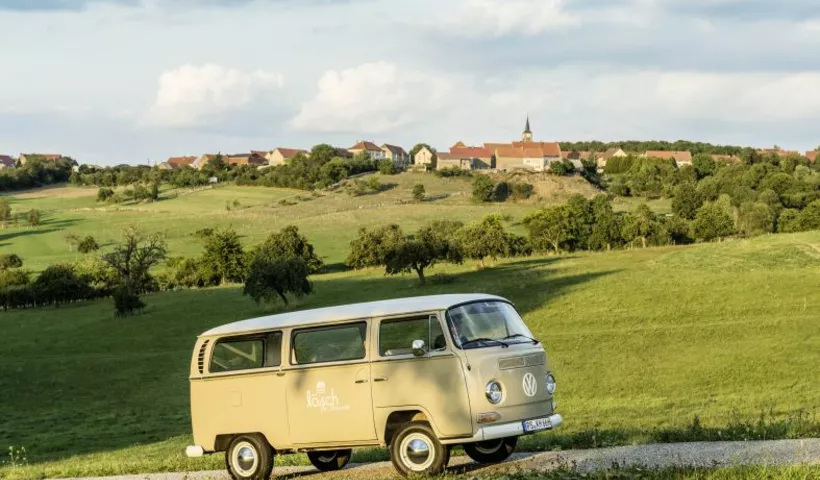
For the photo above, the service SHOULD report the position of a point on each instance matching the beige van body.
(337, 378)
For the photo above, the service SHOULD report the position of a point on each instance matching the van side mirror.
(419, 348)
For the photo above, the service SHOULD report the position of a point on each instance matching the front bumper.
(503, 430)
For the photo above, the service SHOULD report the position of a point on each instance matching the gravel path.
(698, 454)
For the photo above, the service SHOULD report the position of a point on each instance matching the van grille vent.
(525, 361)
(200, 361)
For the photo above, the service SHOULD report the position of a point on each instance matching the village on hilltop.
(525, 154)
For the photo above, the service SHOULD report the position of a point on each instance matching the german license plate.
(537, 424)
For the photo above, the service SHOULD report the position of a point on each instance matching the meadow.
(330, 219)
(704, 342)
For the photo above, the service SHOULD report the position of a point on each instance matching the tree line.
(36, 172)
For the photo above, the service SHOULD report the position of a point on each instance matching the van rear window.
(330, 344)
(238, 355)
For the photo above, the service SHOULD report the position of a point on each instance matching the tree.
(271, 279)
(10, 260)
(551, 228)
(60, 284)
(501, 191)
(755, 218)
(217, 163)
(132, 260)
(433, 243)
(33, 218)
(704, 165)
(418, 192)
(224, 256)
(287, 244)
(88, 245)
(154, 191)
(640, 224)
(606, 226)
(72, 240)
(5, 211)
(486, 238)
(371, 246)
(712, 223)
(483, 188)
(562, 167)
(687, 201)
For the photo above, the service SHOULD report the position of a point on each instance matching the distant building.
(49, 157)
(681, 158)
(375, 152)
(282, 155)
(450, 160)
(6, 161)
(398, 155)
(812, 155)
(423, 157)
(603, 158)
(174, 163)
(238, 159)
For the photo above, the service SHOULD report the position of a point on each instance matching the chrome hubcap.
(417, 452)
(245, 459)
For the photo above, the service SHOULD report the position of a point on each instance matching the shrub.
(418, 192)
(452, 172)
(88, 245)
(10, 260)
(104, 194)
(755, 218)
(59, 284)
(33, 218)
(126, 303)
(562, 167)
(483, 188)
(501, 192)
(14, 278)
(521, 191)
(386, 167)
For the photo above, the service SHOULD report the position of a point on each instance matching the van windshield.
(487, 324)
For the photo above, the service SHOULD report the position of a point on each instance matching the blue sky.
(140, 80)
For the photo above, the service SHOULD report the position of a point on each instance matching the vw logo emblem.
(530, 385)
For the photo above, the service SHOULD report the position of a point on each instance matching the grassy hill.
(330, 220)
(677, 343)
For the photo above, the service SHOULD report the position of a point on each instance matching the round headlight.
(493, 392)
(550, 383)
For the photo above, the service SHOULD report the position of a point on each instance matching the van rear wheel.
(415, 450)
(249, 457)
(491, 451)
(330, 460)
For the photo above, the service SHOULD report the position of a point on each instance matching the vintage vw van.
(418, 375)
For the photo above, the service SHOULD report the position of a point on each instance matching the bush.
(501, 192)
(10, 260)
(483, 189)
(755, 218)
(103, 194)
(452, 172)
(126, 303)
(712, 222)
(562, 167)
(88, 245)
(386, 167)
(33, 218)
(521, 191)
(14, 278)
(60, 284)
(418, 192)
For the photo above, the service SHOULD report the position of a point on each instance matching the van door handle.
(364, 380)
(280, 374)
(380, 379)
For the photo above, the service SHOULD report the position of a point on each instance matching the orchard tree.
(640, 224)
(486, 238)
(72, 240)
(224, 255)
(370, 248)
(687, 201)
(552, 228)
(88, 245)
(289, 243)
(33, 218)
(433, 243)
(270, 279)
(132, 260)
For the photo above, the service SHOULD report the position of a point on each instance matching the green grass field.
(643, 343)
(330, 221)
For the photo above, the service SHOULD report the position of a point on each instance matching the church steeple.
(527, 136)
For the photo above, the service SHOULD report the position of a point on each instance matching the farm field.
(330, 220)
(705, 342)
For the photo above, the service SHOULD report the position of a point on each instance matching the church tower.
(527, 135)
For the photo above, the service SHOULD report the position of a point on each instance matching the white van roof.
(353, 311)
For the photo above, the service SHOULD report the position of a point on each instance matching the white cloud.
(503, 17)
(192, 95)
(371, 98)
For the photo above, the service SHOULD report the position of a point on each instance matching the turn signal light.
(488, 417)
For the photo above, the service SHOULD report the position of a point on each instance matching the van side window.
(329, 344)
(273, 349)
(396, 336)
(239, 354)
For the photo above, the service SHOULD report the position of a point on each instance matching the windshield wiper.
(521, 335)
(485, 340)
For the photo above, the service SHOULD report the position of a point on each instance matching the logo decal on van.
(325, 400)
(530, 385)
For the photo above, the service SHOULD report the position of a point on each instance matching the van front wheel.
(249, 457)
(415, 450)
(330, 461)
(491, 451)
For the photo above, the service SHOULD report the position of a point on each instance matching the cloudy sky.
(115, 81)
